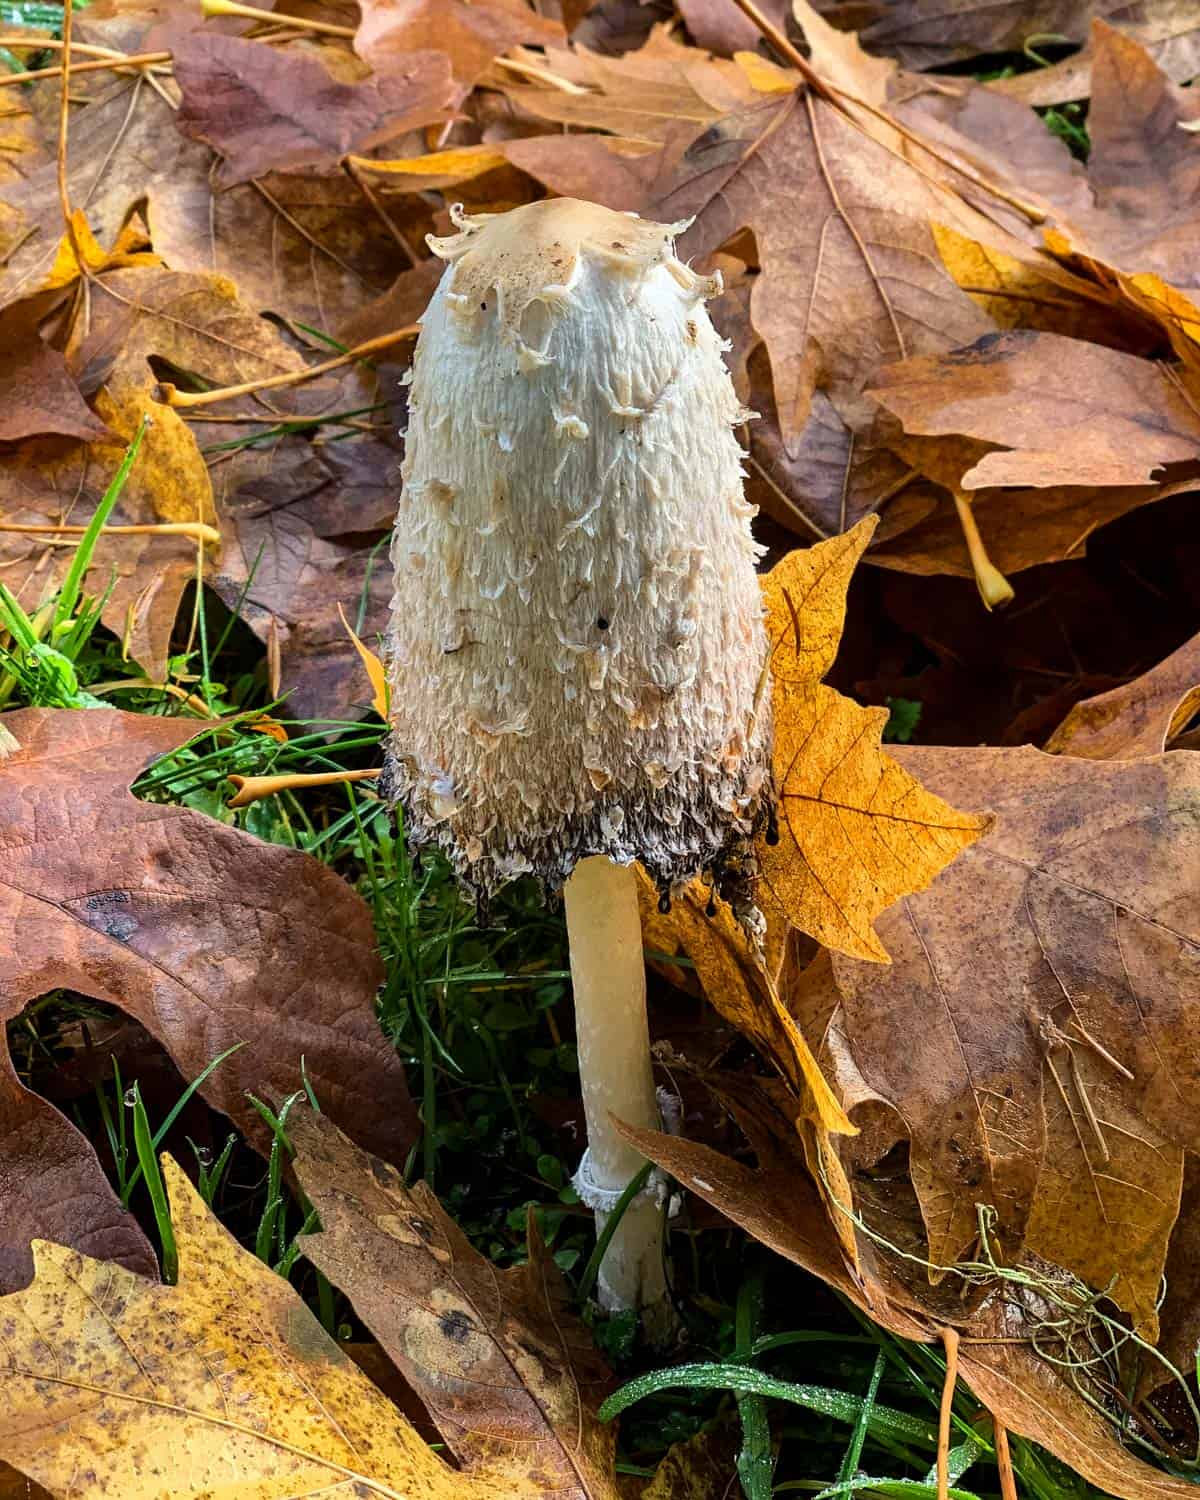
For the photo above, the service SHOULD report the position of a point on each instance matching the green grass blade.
(726, 1377)
(68, 595)
(143, 1144)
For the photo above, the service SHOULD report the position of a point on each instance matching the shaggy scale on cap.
(577, 652)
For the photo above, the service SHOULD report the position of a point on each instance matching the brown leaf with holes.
(856, 830)
(204, 934)
(509, 1374)
(1138, 718)
(271, 110)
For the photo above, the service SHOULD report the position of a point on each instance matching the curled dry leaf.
(738, 984)
(856, 830)
(1138, 718)
(508, 1373)
(1060, 412)
(113, 1381)
(205, 935)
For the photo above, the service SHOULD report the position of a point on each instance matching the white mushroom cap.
(577, 650)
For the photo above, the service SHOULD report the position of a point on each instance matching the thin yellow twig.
(540, 75)
(1008, 1480)
(197, 530)
(174, 397)
(254, 788)
(252, 13)
(97, 65)
(950, 1344)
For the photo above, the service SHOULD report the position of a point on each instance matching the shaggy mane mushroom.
(577, 654)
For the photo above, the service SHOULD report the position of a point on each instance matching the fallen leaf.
(51, 1182)
(471, 35)
(273, 109)
(850, 273)
(646, 95)
(374, 668)
(305, 538)
(110, 1378)
(1169, 31)
(510, 1376)
(202, 933)
(738, 984)
(1061, 412)
(1138, 718)
(1143, 170)
(856, 830)
(1050, 1043)
(37, 394)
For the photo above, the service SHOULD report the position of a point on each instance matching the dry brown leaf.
(1021, 528)
(202, 933)
(645, 95)
(225, 1383)
(850, 273)
(1138, 718)
(303, 528)
(1168, 29)
(1143, 168)
(1043, 986)
(271, 109)
(509, 1374)
(1061, 412)
(856, 831)
(52, 1183)
(37, 394)
(470, 34)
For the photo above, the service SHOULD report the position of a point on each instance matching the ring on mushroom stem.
(573, 502)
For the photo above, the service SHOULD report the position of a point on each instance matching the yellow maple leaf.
(224, 1384)
(856, 831)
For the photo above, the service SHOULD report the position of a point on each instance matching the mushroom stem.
(608, 972)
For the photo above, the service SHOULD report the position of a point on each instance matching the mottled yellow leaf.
(856, 830)
(224, 1385)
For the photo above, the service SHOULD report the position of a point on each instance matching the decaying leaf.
(471, 35)
(205, 935)
(856, 830)
(1045, 986)
(223, 1383)
(507, 1371)
(850, 275)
